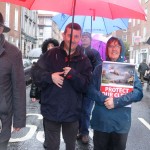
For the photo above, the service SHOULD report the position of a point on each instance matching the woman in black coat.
(48, 44)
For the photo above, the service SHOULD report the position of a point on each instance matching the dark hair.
(74, 25)
(48, 41)
(112, 39)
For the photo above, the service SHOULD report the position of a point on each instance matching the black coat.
(12, 89)
(35, 92)
(62, 104)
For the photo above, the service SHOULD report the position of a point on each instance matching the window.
(7, 16)
(16, 20)
(124, 38)
(132, 38)
(41, 31)
(138, 32)
(133, 22)
(138, 21)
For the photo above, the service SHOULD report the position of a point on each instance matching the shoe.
(85, 139)
(79, 136)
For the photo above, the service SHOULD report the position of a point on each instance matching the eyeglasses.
(116, 46)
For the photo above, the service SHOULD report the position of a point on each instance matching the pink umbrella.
(100, 47)
(103, 8)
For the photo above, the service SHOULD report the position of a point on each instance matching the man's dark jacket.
(93, 56)
(62, 104)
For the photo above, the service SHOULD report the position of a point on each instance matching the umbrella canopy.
(89, 24)
(103, 8)
(35, 53)
(100, 47)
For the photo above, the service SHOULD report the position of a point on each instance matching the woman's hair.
(112, 39)
(48, 41)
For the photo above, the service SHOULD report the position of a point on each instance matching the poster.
(117, 79)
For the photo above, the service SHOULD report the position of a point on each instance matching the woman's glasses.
(116, 46)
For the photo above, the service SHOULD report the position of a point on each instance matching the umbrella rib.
(83, 22)
(110, 10)
(32, 4)
(105, 25)
(124, 22)
(64, 22)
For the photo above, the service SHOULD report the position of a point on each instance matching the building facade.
(29, 27)
(23, 25)
(137, 35)
(12, 17)
(47, 28)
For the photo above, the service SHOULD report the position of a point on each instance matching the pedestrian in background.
(87, 104)
(48, 44)
(111, 117)
(147, 76)
(62, 88)
(12, 88)
(142, 68)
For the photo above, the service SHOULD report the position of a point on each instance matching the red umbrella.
(103, 8)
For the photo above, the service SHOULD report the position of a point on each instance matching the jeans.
(109, 141)
(53, 130)
(84, 122)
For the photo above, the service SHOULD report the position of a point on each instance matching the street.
(31, 137)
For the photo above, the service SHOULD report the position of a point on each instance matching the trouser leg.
(3, 145)
(100, 140)
(118, 141)
(52, 134)
(69, 132)
(142, 77)
(85, 116)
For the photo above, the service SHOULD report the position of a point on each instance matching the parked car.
(27, 64)
(34, 60)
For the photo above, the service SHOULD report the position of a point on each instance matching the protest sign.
(117, 79)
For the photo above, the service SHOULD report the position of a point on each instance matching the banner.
(117, 79)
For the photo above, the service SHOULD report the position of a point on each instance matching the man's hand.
(58, 79)
(66, 70)
(109, 103)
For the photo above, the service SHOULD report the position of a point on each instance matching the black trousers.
(109, 141)
(53, 130)
(3, 145)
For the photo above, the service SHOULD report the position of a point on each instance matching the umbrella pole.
(74, 5)
(91, 29)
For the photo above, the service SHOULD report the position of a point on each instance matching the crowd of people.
(66, 80)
